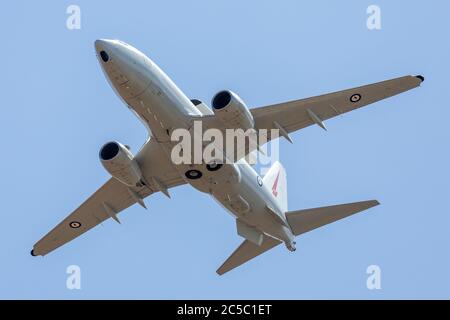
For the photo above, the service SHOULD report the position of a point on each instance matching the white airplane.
(259, 204)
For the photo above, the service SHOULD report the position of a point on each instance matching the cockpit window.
(104, 56)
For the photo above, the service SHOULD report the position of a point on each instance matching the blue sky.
(58, 109)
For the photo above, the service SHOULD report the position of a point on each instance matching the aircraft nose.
(123, 65)
(104, 47)
(102, 44)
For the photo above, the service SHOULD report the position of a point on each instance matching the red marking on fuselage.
(275, 185)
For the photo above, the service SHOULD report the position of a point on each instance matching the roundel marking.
(355, 98)
(75, 224)
(260, 181)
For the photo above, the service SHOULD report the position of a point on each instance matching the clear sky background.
(58, 109)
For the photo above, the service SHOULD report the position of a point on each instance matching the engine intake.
(109, 151)
(120, 163)
(221, 100)
(232, 111)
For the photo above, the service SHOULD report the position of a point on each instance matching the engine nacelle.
(232, 111)
(120, 163)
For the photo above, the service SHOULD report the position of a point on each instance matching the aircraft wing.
(295, 115)
(112, 198)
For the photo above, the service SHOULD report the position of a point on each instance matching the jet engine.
(120, 163)
(232, 111)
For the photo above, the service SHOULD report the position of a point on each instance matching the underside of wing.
(298, 114)
(294, 115)
(105, 203)
(112, 198)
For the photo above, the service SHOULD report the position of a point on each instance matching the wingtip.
(220, 271)
(371, 203)
(421, 78)
(374, 203)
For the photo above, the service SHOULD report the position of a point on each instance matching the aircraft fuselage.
(163, 107)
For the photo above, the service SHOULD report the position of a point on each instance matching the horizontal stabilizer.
(247, 251)
(302, 221)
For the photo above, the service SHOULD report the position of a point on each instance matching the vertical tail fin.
(276, 181)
